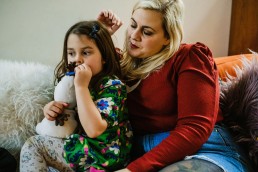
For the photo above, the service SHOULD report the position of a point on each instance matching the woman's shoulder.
(193, 51)
(189, 55)
(197, 47)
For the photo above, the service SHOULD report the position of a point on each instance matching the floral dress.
(110, 150)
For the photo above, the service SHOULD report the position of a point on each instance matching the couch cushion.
(227, 64)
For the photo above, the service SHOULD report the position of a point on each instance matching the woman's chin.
(134, 54)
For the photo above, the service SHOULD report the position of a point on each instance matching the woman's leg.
(219, 151)
(192, 165)
(39, 152)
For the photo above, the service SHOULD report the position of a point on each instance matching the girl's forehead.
(79, 39)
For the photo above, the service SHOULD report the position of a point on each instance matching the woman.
(173, 94)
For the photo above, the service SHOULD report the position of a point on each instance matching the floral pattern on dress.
(110, 150)
(105, 105)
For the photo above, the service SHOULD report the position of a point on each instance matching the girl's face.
(82, 50)
(145, 33)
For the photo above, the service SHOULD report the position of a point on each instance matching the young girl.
(105, 141)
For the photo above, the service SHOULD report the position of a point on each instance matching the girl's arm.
(53, 109)
(89, 116)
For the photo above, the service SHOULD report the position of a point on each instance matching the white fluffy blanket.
(24, 90)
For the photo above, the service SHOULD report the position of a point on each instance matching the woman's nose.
(135, 35)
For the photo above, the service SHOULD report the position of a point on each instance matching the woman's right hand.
(53, 109)
(110, 20)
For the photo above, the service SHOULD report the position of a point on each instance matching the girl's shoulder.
(108, 81)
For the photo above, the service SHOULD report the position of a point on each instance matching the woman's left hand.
(110, 20)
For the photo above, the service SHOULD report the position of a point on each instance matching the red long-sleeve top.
(183, 98)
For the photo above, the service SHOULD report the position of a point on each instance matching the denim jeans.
(220, 149)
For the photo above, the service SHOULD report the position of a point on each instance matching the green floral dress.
(110, 150)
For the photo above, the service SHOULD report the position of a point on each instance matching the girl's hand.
(53, 109)
(83, 76)
(110, 20)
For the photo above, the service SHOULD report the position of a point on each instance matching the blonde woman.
(173, 94)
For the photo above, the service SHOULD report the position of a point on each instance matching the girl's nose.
(78, 59)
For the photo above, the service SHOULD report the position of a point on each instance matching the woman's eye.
(148, 33)
(133, 26)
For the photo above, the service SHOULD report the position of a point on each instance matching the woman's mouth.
(133, 46)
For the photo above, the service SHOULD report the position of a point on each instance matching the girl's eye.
(70, 53)
(85, 53)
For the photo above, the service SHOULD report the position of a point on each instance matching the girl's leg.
(39, 152)
(192, 165)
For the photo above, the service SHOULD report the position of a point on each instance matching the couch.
(25, 87)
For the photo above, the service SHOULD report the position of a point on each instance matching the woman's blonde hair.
(172, 12)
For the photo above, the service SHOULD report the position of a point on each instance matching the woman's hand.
(110, 20)
(53, 109)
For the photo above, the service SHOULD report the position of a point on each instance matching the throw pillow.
(239, 104)
(25, 88)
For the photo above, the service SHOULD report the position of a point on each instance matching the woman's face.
(145, 34)
(82, 50)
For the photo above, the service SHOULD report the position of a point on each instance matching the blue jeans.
(220, 149)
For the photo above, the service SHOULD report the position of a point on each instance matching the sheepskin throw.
(24, 90)
(239, 104)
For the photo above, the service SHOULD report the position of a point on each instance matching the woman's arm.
(110, 20)
(196, 81)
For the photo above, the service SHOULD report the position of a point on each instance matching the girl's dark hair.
(97, 32)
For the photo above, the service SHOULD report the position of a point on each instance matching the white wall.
(208, 21)
(33, 30)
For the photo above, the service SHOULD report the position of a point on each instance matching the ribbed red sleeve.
(193, 79)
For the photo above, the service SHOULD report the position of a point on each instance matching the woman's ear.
(167, 42)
